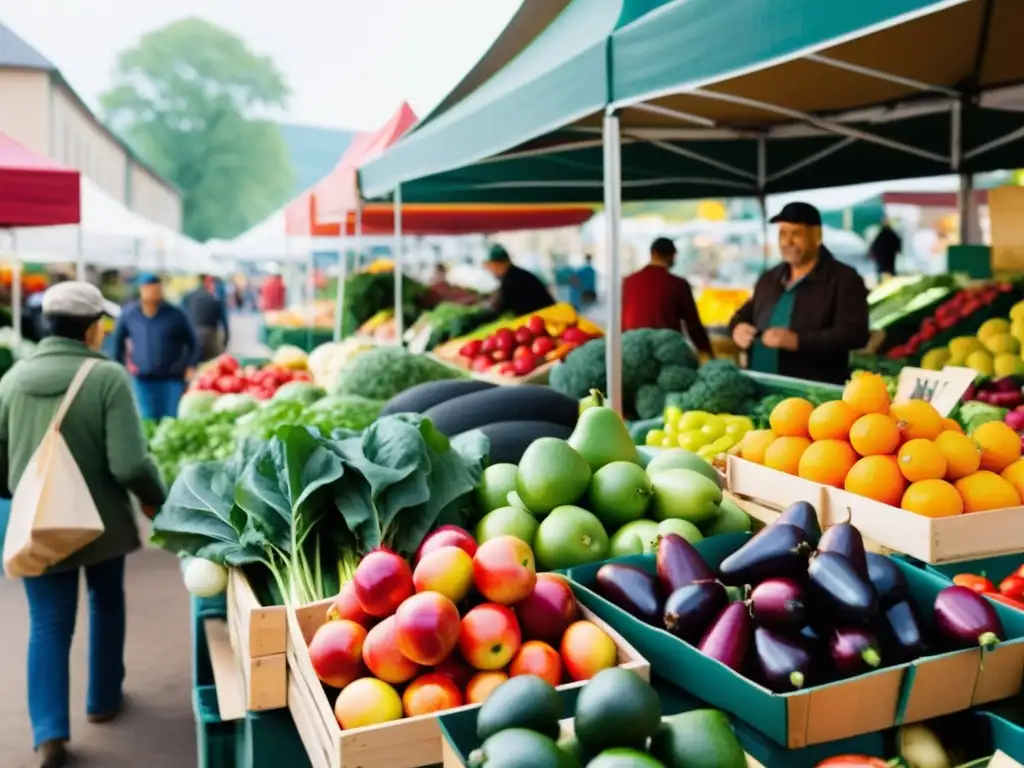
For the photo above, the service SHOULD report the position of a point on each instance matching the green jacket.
(102, 429)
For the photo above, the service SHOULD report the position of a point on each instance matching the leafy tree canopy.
(188, 98)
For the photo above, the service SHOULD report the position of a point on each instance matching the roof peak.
(15, 52)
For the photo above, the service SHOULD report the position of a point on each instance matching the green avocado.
(624, 758)
(617, 708)
(524, 701)
(519, 747)
(701, 738)
(730, 519)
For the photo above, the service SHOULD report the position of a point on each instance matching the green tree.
(187, 98)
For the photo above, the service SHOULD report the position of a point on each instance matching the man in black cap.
(521, 292)
(808, 313)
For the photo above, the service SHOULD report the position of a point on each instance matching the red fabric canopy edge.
(36, 191)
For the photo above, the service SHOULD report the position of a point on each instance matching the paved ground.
(158, 729)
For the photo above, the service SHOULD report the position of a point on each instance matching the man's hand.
(743, 335)
(780, 338)
(189, 373)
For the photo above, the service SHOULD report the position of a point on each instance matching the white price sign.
(943, 389)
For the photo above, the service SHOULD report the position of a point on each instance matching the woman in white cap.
(103, 431)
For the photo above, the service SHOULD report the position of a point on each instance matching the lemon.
(655, 437)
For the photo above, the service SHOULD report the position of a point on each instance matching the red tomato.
(229, 384)
(978, 584)
(536, 325)
(1012, 587)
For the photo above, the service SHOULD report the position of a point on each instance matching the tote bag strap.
(69, 396)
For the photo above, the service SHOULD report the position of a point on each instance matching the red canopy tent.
(34, 190)
(319, 211)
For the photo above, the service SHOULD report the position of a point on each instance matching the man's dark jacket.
(830, 318)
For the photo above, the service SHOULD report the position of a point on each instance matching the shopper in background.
(808, 313)
(209, 316)
(103, 431)
(520, 292)
(164, 349)
(884, 249)
(583, 290)
(653, 297)
(272, 293)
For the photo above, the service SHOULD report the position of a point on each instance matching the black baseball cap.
(664, 246)
(798, 213)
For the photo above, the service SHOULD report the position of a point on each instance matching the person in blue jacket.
(158, 343)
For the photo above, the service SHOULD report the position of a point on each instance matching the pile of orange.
(902, 454)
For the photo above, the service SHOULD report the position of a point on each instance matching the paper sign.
(943, 389)
(1001, 760)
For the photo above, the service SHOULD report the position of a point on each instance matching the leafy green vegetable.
(178, 442)
(384, 372)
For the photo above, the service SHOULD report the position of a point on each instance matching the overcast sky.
(349, 62)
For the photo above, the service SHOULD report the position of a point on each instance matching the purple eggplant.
(679, 563)
(805, 517)
(966, 619)
(842, 592)
(778, 603)
(728, 639)
(846, 540)
(904, 632)
(780, 550)
(785, 661)
(633, 590)
(853, 650)
(888, 580)
(691, 609)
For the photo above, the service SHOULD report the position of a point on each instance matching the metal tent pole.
(762, 199)
(965, 191)
(399, 319)
(613, 224)
(339, 290)
(80, 263)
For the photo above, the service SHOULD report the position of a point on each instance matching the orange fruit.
(785, 452)
(875, 434)
(917, 419)
(922, 460)
(831, 421)
(827, 462)
(963, 455)
(867, 393)
(932, 498)
(789, 418)
(986, 490)
(878, 478)
(1000, 445)
(1014, 475)
(952, 425)
(755, 443)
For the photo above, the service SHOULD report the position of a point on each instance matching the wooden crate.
(258, 638)
(940, 540)
(408, 743)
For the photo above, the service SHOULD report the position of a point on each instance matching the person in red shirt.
(655, 298)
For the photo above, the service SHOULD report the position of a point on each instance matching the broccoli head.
(696, 398)
(639, 365)
(725, 388)
(671, 348)
(582, 370)
(676, 378)
(650, 401)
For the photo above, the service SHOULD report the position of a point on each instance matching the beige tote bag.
(53, 514)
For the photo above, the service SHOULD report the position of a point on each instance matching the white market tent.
(110, 235)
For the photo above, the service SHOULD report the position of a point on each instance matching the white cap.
(77, 299)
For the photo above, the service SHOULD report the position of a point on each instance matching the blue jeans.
(52, 607)
(158, 399)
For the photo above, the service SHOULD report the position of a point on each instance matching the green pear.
(601, 436)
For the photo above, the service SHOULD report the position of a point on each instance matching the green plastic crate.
(215, 739)
(995, 569)
(724, 689)
(269, 740)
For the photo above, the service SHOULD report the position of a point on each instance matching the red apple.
(524, 335)
(522, 351)
(481, 363)
(504, 571)
(336, 651)
(536, 324)
(431, 693)
(482, 685)
(427, 627)
(542, 345)
(346, 606)
(549, 610)
(586, 650)
(447, 536)
(524, 364)
(383, 580)
(504, 339)
(500, 355)
(382, 657)
(471, 348)
(489, 636)
(537, 658)
(488, 345)
(457, 669)
(448, 570)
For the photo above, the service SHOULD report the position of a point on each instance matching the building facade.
(39, 109)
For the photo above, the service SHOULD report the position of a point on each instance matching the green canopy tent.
(741, 98)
